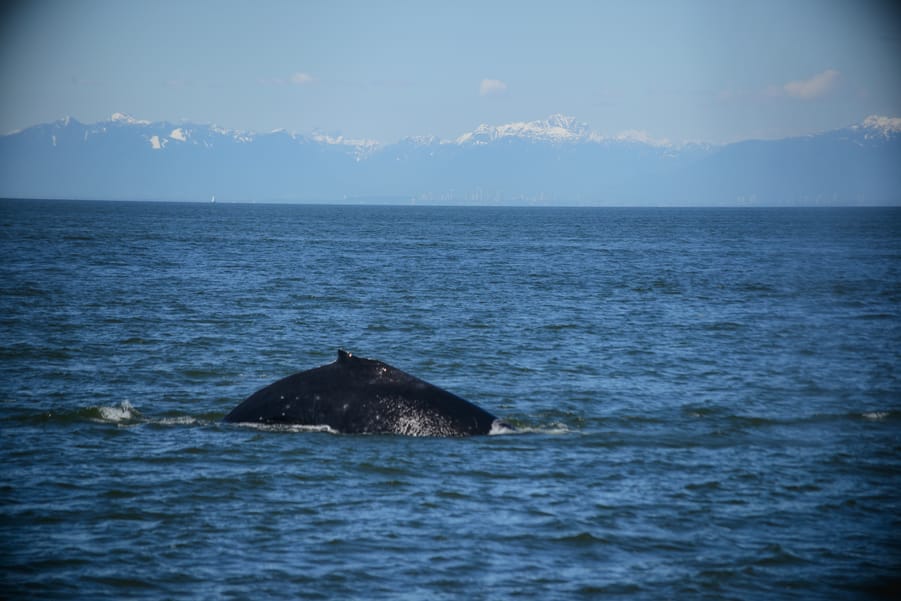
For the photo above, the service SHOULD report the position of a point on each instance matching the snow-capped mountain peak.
(342, 141)
(556, 128)
(361, 147)
(556, 159)
(179, 134)
(126, 119)
(567, 124)
(641, 137)
(880, 126)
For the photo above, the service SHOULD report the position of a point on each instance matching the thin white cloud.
(813, 87)
(301, 79)
(492, 87)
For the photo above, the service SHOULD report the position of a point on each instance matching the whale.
(356, 395)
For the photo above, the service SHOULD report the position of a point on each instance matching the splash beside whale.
(355, 395)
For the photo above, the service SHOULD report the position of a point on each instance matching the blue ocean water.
(708, 402)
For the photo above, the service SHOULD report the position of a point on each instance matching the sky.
(703, 70)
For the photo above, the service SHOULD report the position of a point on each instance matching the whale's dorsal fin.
(343, 355)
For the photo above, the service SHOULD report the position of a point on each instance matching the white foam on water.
(555, 429)
(182, 420)
(287, 427)
(875, 415)
(498, 427)
(115, 415)
(501, 428)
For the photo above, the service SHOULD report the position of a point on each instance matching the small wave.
(582, 539)
(26, 291)
(875, 415)
(125, 414)
(724, 326)
(498, 427)
(116, 415)
(506, 429)
(181, 420)
(701, 486)
(875, 316)
(557, 327)
(287, 427)
(776, 555)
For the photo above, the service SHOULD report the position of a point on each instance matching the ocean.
(708, 402)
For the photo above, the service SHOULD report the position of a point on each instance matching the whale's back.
(355, 395)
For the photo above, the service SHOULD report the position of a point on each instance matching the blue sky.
(711, 70)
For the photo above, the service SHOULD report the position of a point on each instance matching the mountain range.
(557, 160)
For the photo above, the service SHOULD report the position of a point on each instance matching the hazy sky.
(712, 70)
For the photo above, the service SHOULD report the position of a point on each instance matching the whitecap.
(124, 412)
(875, 415)
(498, 427)
(552, 429)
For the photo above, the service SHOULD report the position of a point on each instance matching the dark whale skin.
(355, 395)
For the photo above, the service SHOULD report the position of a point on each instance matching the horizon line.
(376, 202)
